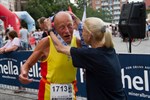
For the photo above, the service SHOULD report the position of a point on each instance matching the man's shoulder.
(44, 40)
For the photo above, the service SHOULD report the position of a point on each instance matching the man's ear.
(53, 22)
(53, 25)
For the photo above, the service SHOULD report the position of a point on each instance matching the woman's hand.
(2, 50)
(47, 24)
(74, 17)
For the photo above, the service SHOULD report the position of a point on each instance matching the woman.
(12, 44)
(103, 70)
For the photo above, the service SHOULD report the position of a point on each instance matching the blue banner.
(10, 64)
(135, 73)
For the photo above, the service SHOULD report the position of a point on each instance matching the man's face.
(64, 28)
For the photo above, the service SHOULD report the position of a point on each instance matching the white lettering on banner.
(8, 59)
(9, 69)
(142, 95)
(81, 75)
(8, 77)
(136, 81)
(34, 71)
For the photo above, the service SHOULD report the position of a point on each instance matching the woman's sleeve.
(77, 55)
(5, 46)
(16, 42)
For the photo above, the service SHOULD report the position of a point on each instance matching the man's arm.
(35, 56)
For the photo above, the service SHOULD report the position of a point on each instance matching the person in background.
(56, 68)
(37, 35)
(12, 44)
(147, 30)
(32, 41)
(103, 70)
(24, 37)
(6, 36)
(1, 35)
(42, 26)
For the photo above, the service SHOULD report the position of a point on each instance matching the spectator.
(103, 70)
(1, 35)
(12, 44)
(147, 30)
(42, 26)
(24, 36)
(6, 35)
(32, 41)
(37, 35)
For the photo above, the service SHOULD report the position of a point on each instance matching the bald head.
(62, 16)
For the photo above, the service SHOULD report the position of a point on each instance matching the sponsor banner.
(10, 64)
(135, 73)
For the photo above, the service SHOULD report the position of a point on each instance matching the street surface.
(140, 46)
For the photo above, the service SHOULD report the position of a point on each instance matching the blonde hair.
(99, 30)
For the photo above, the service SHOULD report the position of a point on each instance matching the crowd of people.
(27, 40)
(64, 44)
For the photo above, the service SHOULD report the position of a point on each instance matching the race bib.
(61, 91)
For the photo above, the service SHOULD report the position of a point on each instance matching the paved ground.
(139, 46)
(7, 93)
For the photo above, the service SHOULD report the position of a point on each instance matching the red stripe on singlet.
(42, 91)
(43, 69)
(42, 84)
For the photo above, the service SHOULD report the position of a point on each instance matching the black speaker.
(132, 20)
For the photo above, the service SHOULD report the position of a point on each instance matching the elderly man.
(57, 71)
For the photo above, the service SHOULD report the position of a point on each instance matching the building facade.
(147, 2)
(9, 4)
(20, 4)
(113, 6)
(14, 5)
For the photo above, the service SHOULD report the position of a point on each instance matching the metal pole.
(84, 4)
(130, 41)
